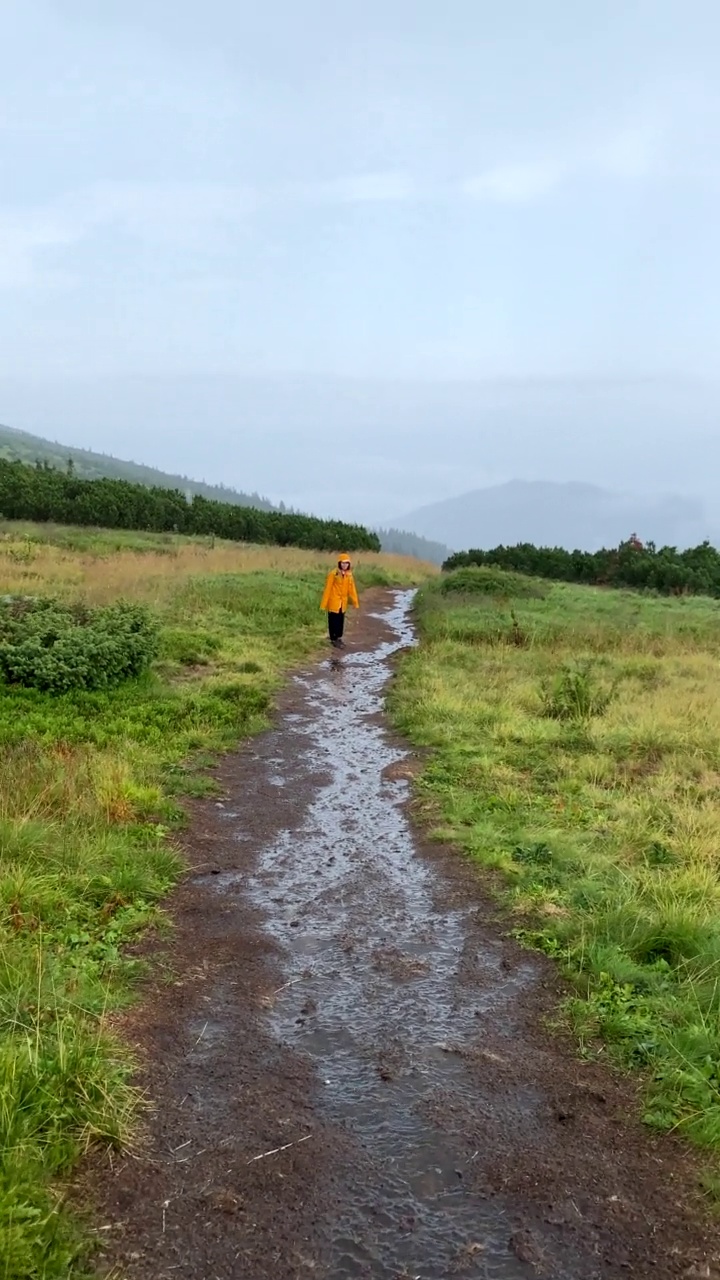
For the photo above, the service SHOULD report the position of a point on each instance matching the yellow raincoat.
(340, 590)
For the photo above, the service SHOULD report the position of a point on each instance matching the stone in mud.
(526, 1248)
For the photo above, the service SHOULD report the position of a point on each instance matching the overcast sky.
(228, 216)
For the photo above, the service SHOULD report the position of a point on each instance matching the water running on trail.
(372, 967)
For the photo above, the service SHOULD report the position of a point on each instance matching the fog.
(363, 257)
(373, 450)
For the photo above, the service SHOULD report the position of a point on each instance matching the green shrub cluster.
(576, 693)
(473, 580)
(666, 570)
(42, 493)
(56, 647)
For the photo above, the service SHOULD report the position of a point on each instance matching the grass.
(91, 790)
(102, 565)
(575, 750)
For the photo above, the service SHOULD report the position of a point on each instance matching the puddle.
(373, 991)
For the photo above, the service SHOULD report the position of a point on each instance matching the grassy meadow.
(91, 790)
(575, 750)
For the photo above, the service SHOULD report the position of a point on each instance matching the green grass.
(575, 750)
(91, 790)
(26, 535)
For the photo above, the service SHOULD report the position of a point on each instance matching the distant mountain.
(579, 516)
(24, 447)
(411, 544)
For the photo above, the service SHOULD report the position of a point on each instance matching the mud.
(347, 1065)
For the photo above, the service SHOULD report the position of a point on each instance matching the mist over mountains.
(371, 450)
(571, 515)
(547, 513)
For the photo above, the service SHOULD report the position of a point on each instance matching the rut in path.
(346, 1008)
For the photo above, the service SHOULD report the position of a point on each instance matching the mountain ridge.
(570, 514)
(23, 446)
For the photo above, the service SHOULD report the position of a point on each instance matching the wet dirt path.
(349, 1072)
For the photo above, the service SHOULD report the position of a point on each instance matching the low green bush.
(473, 580)
(57, 647)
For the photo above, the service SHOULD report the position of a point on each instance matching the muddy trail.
(345, 1054)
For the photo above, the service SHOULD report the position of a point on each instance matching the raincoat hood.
(344, 556)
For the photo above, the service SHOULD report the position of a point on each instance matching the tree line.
(666, 570)
(44, 494)
(21, 446)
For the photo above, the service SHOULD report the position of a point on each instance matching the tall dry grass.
(151, 571)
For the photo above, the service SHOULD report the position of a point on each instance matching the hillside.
(45, 493)
(403, 543)
(564, 515)
(21, 446)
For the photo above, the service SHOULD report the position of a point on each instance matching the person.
(340, 591)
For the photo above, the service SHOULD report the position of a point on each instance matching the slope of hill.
(21, 446)
(39, 493)
(403, 543)
(564, 515)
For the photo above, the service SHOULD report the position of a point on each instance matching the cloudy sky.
(363, 253)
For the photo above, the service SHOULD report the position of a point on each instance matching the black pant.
(336, 625)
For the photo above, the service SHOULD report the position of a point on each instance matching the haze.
(363, 256)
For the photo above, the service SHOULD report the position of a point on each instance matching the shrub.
(576, 693)
(472, 580)
(665, 570)
(55, 647)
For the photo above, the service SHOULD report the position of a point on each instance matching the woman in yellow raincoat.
(340, 591)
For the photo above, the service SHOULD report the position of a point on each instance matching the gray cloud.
(397, 202)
